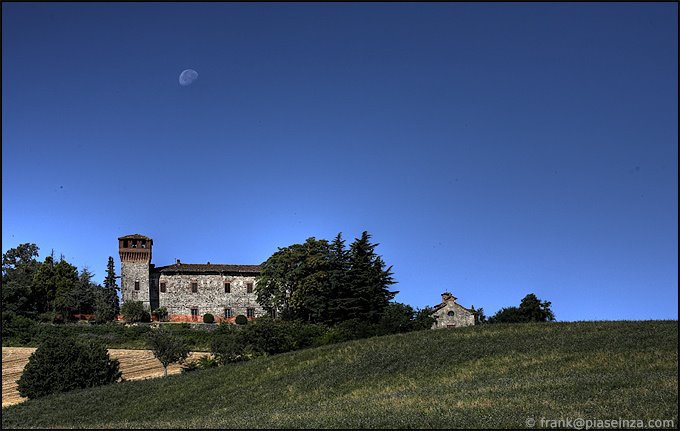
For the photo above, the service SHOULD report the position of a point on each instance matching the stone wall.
(210, 297)
(460, 316)
(131, 272)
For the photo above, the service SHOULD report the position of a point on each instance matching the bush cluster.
(203, 363)
(265, 336)
(161, 314)
(63, 364)
(208, 318)
(134, 311)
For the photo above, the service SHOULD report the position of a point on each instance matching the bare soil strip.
(135, 365)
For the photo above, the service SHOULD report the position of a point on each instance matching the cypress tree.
(111, 287)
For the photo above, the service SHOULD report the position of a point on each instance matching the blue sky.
(492, 150)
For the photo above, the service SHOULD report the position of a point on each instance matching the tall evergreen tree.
(44, 285)
(368, 281)
(111, 287)
(65, 282)
(338, 280)
(85, 293)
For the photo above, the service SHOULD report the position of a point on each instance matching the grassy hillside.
(490, 376)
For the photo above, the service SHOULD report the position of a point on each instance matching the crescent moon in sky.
(187, 77)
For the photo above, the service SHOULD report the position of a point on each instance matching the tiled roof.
(210, 267)
(135, 236)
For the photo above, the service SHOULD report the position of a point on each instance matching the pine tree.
(339, 267)
(65, 282)
(108, 305)
(368, 283)
(84, 294)
(44, 288)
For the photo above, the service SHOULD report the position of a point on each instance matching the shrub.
(104, 311)
(241, 320)
(161, 314)
(47, 317)
(134, 311)
(208, 318)
(203, 363)
(423, 319)
(228, 347)
(396, 318)
(62, 363)
(270, 336)
(353, 329)
(17, 329)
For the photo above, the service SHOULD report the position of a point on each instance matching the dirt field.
(135, 365)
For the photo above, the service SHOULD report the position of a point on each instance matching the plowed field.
(135, 365)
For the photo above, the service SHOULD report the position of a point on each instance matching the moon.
(187, 77)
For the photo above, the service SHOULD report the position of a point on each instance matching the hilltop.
(494, 376)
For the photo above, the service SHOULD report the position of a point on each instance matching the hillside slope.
(489, 376)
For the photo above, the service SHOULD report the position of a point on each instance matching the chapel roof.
(446, 302)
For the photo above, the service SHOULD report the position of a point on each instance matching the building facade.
(187, 291)
(450, 314)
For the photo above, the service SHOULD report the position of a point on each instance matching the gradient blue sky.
(491, 149)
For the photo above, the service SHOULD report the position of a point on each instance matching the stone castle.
(190, 290)
(186, 290)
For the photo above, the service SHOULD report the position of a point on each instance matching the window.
(136, 284)
(227, 287)
(249, 287)
(125, 243)
(143, 243)
(194, 314)
(451, 314)
(228, 312)
(250, 312)
(163, 287)
(194, 287)
(272, 314)
(134, 244)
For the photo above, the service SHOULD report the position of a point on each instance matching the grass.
(491, 376)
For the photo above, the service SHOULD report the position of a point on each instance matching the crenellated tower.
(135, 265)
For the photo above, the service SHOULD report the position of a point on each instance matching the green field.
(494, 376)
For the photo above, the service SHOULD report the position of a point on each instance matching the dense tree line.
(324, 282)
(54, 290)
(531, 309)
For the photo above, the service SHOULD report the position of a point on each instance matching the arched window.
(451, 314)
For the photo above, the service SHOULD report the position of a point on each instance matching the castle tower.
(135, 261)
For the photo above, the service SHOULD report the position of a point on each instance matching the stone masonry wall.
(210, 297)
(131, 272)
(461, 316)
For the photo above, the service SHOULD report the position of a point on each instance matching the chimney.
(178, 262)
